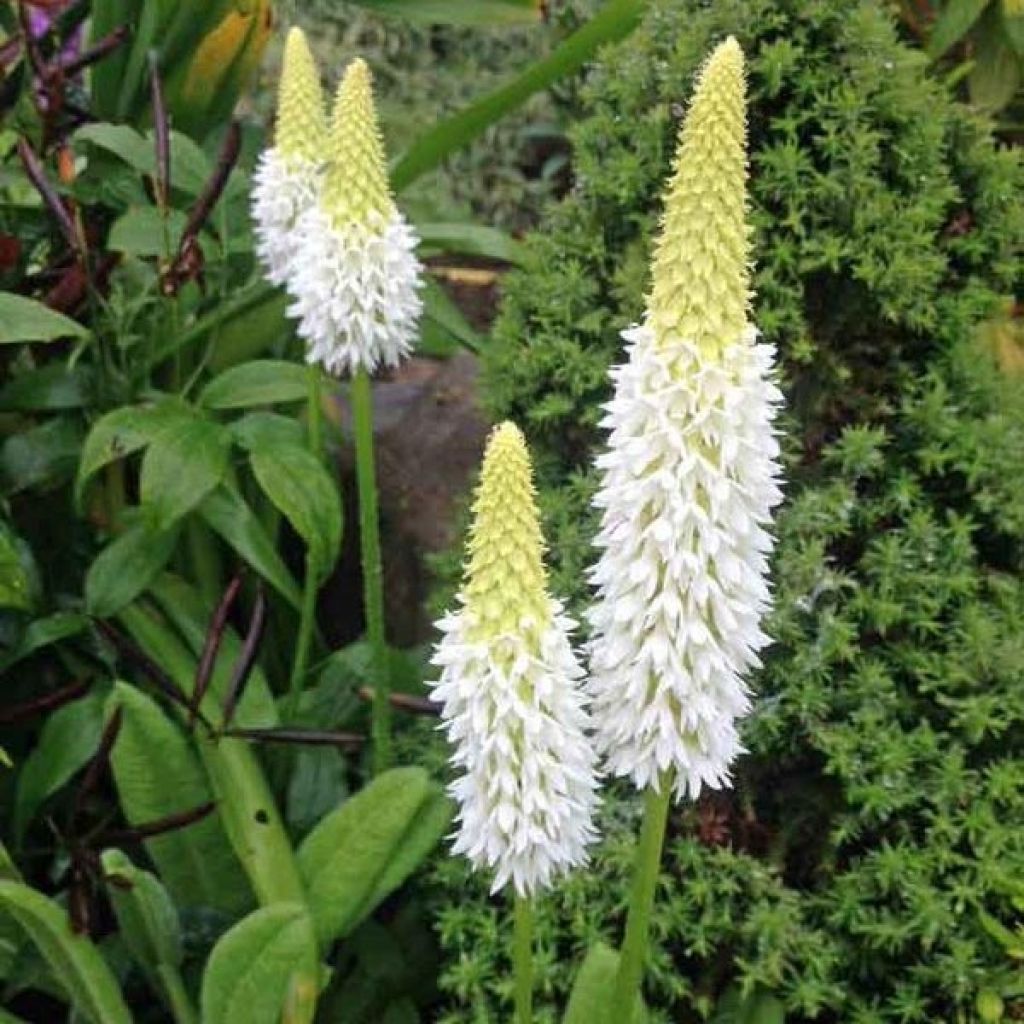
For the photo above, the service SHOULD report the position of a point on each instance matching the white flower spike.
(510, 701)
(690, 476)
(356, 277)
(288, 175)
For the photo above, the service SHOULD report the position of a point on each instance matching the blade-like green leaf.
(157, 774)
(614, 21)
(254, 430)
(593, 990)
(470, 240)
(182, 465)
(73, 959)
(24, 319)
(126, 567)
(124, 431)
(231, 517)
(260, 382)
(996, 74)
(953, 23)
(368, 846)
(303, 491)
(444, 326)
(459, 12)
(68, 739)
(253, 968)
(41, 633)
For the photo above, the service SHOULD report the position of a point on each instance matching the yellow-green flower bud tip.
(701, 274)
(301, 119)
(356, 184)
(506, 584)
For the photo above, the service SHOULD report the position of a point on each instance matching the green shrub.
(878, 813)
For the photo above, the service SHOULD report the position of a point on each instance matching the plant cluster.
(871, 834)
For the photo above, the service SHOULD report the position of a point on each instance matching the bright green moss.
(882, 801)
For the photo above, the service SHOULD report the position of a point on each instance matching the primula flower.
(356, 277)
(690, 476)
(508, 689)
(288, 175)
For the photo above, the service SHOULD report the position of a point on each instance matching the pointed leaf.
(953, 23)
(594, 987)
(126, 567)
(260, 382)
(24, 319)
(78, 964)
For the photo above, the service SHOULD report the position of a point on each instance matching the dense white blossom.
(283, 190)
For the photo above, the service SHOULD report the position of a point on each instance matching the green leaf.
(82, 971)
(141, 231)
(996, 74)
(226, 513)
(49, 388)
(157, 774)
(40, 457)
(459, 12)
(19, 578)
(146, 917)
(24, 319)
(253, 967)
(594, 987)
(366, 848)
(303, 491)
(757, 1007)
(260, 382)
(124, 431)
(68, 739)
(616, 19)
(42, 632)
(182, 465)
(257, 429)
(471, 240)
(315, 787)
(953, 23)
(444, 326)
(125, 567)
(1013, 25)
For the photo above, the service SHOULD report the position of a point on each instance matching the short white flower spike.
(690, 476)
(356, 278)
(287, 176)
(510, 701)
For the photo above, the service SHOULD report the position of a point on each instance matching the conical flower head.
(357, 280)
(689, 479)
(301, 121)
(508, 689)
(287, 177)
(701, 277)
(356, 183)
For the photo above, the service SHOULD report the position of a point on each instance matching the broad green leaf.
(124, 431)
(367, 847)
(996, 74)
(19, 577)
(226, 512)
(68, 739)
(953, 23)
(24, 319)
(616, 19)
(182, 465)
(1013, 25)
(190, 616)
(42, 632)
(40, 457)
(594, 987)
(315, 787)
(260, 382)
(142, 231)
(471, 240)
(146, 918)
(126, 566)
(303, 491)
(459, 12)
(82, 971)
(254, 430)
(157, 774)
(444, 326)
(49, 388)
(253, 968)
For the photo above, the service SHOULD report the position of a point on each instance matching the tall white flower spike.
(690, 476)
(288, 175)
(356, 277)
(508, 688)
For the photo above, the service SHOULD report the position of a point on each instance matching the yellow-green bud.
(701, 273)
(506, 584)
(301, 120)
(356, 183)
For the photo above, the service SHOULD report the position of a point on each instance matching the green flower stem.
(645, 880)
(522, 959)
(307, 616)
(373, 577)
